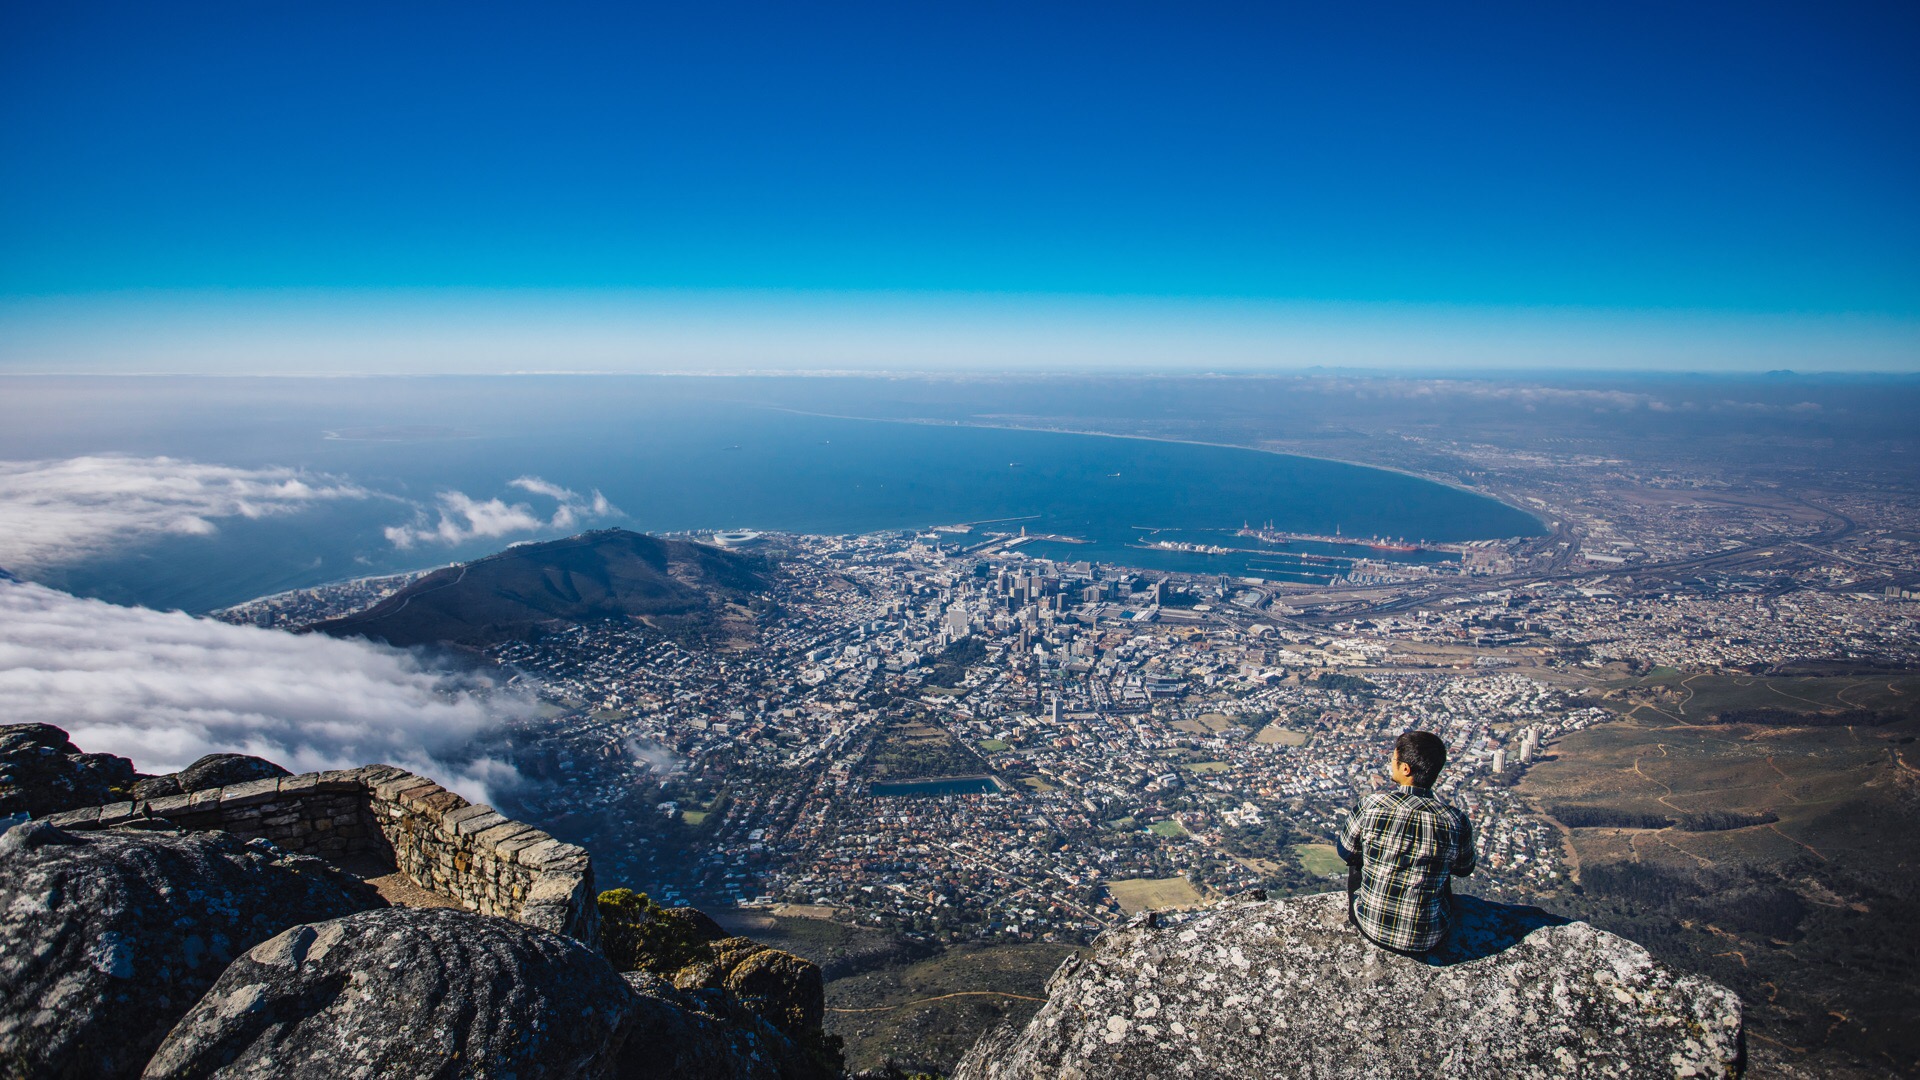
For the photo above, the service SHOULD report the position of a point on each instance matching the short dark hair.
(1424, 753)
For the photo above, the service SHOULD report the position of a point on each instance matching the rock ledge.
(1286, 988)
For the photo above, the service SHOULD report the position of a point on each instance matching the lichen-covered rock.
(1287, 988)
(107, 938)
(211, 771)
(710, 964)
(786, 990)
(707, 1035)
(220, 770)
(690, 952)
(42, 773)
(407, 992)
(640, 935)
(149, 788)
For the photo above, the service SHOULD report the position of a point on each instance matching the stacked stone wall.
(470, 853)
(491, 863)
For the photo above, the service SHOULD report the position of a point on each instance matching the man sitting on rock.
(1403, 848)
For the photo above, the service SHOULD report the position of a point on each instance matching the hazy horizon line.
(962, 375)
(799, 332)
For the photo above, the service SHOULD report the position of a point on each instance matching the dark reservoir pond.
(946, 785)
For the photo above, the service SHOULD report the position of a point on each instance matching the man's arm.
(1348, 842)
(1465, 858)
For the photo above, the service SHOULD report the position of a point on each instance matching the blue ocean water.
(673, 455)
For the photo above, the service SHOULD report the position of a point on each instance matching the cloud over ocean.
(164, 688)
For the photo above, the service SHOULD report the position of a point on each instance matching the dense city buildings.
(943, 735)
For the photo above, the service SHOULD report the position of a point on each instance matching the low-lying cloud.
(164, 688)
(1525, 395)
(1533, 396)
(463, 518)
(662, 761)
(59, 512)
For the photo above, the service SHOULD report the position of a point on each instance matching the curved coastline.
(1436, 480)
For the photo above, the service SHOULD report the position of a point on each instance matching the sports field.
(1320, 860)
(1135, 895)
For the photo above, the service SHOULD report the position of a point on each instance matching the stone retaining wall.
(470, 853)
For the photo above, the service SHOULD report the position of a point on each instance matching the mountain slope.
(608, 574)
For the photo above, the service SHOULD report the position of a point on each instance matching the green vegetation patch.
(950, 667)
(639, 935)
(1170, 829)
(1352, 684)
(1320, 860)
(994, 746)
(913, 751)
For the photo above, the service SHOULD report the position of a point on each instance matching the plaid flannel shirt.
(1409, 846)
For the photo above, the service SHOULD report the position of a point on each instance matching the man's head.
(1418, 757)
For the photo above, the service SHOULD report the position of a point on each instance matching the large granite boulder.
(691, 923)
(107, 938)
(689, 952)
(211, 771)
(785, 989)
(1287, 988)
(407, 992)
(42, 773)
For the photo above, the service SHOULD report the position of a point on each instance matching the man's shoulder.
(1455, 817)
(1378, 805)
(1377, 800)
(1412, 801)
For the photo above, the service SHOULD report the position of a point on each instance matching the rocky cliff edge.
(1287, 988)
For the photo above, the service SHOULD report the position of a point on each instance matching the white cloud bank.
(464, 518)
(164, 688)
(65, 511)
(61, 511)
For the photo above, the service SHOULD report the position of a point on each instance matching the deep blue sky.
(1725, 158)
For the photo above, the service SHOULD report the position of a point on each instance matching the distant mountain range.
(674, 585)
